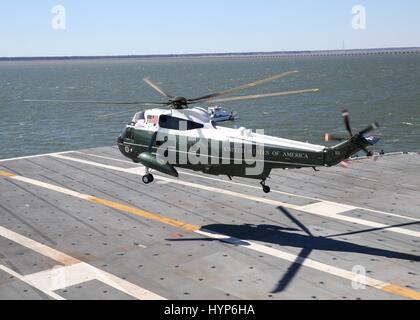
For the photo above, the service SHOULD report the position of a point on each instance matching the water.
(384, 88)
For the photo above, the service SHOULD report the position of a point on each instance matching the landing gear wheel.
(148, 178)
(266, 189)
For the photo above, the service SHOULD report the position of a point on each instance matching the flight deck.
(82, 225)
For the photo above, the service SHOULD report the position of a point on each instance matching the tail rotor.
(357, 139)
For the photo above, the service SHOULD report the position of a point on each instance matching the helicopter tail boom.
(346, 149)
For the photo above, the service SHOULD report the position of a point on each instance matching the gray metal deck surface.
(363, 227)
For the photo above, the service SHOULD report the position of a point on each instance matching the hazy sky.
(194, 26)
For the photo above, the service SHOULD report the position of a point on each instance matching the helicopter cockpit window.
(139, 116)
(128, 133)
(172, 123)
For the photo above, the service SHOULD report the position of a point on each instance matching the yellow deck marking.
(335, 271)
(6, 174)
(404, 292)
(145, 214)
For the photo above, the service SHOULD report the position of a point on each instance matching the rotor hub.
(179, 103)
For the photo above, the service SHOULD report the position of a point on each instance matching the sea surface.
(382, 88)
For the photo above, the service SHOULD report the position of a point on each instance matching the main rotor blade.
(111, 115)
(346, 116)
(292, 271)
(296, 221)
(260, 96)
(243, 87)
(157, 88)
(101, 102)
(373, 126)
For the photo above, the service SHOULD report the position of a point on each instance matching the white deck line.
(333, 212)
(76, 270)
(33, 284)
(259, 188)
(35, 156)
(51, 187)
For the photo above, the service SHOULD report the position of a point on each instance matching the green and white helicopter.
(173, 135)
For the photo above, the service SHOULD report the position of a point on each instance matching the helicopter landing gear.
(148, 177)
(266, 188)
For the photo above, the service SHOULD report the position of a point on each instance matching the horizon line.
(220, 54)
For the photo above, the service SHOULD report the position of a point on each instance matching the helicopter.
(173, 135)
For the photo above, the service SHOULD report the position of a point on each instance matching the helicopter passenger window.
(171, 123)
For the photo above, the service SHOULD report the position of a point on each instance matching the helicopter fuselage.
(188, 139)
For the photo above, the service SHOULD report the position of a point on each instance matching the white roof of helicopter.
(243, 135)
(197, 115)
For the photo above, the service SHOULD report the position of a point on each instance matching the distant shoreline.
(377, 51)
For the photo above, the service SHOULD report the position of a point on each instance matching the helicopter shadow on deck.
(305, 241)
